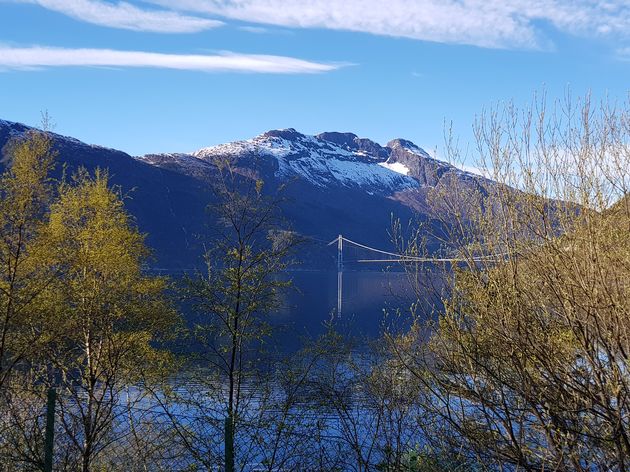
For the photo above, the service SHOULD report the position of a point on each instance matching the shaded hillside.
(336, 183)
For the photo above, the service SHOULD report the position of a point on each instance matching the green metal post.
(229, 445)
(50, 430)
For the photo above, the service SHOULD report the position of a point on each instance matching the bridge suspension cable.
(403, 257)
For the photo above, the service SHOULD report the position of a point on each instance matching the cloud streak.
(485, 23)
(34, 58)
(124, 15)
(521, 24)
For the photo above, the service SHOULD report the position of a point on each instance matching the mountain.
(338, 183)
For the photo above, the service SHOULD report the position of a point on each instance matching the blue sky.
(166, 76)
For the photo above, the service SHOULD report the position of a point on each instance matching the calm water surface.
(366, 296)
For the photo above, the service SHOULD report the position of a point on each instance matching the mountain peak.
(289, 134)
(341, 139)
(407, 145)
(348, 141)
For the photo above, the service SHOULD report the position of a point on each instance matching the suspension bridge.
(384, 257)
(388, 257)
(365, 254)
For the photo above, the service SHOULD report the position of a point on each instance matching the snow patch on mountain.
(275, 148)
(321, 171)
(274, 144)
(398, 167)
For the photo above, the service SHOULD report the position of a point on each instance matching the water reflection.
(365, 296)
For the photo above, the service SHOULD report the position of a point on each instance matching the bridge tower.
(339, 274)
(340, 253)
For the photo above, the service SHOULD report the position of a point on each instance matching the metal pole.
(339, 274)
(229, 444)
(340, 253)
(50, 430)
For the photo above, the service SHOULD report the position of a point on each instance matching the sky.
(175, 76)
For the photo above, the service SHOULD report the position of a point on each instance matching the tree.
(527, 367)
(365, 402)
(242, 283)
(110, 314)
(25, 269)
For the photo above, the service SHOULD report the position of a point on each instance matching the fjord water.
(370, 300)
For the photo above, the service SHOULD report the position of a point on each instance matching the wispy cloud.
(254, 29)
(485, 23)
(44, 57)
(124, 15)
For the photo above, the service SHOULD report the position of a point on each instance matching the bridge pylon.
(340, 253)
(339, 275)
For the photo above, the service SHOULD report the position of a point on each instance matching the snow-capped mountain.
(326, 160)
(319, 161)
(338, 184)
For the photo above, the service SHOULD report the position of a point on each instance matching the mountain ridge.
(339, 184)
(292, 149)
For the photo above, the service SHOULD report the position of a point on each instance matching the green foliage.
(110, 312)
(77, 309)
(25, 262)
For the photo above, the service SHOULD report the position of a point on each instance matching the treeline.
(516, 359)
